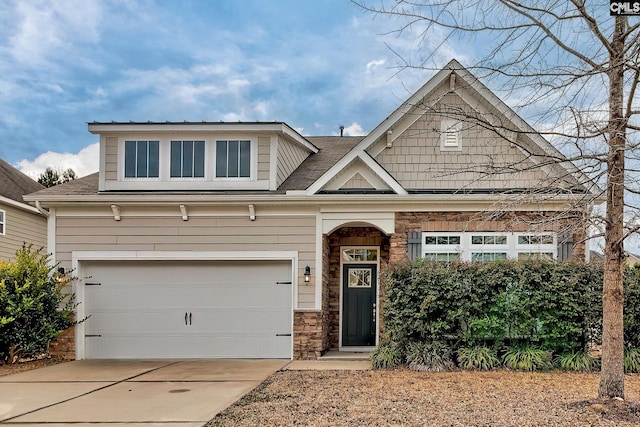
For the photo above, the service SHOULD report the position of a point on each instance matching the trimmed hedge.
(493, 313)
(548, 305)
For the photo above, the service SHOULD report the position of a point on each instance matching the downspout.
(42, 210)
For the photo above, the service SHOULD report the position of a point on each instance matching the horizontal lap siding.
(290, 157)
(267, 233)
(264, 162)
(21, 227)
(111, 159)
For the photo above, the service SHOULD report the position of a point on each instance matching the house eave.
(18, 205)
(394, 202)
(105, 128)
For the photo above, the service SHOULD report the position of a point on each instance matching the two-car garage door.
(187, 309)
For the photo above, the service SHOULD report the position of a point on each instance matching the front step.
(345, 355)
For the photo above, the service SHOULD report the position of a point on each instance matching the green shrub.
(578, 361)
(429, 356)
(527, 358)
(386, 356)
(555, 306)
(632, 307)
(34, 309)
(478, 358)
(632, 360)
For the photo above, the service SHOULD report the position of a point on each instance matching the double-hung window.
(536, 246)
(141, 159)
(441, 247)
(3, 221)
(488, 247)
(233, 159)
(187, 159)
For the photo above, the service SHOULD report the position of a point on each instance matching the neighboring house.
(250, 240)
(19, 221)
(632, 259)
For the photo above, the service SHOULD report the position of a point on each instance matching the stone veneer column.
(64, 347)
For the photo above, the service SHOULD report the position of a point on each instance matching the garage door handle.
(189, 317)
(185, 318)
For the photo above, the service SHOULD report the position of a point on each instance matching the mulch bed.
(28, 365)
(408, 398)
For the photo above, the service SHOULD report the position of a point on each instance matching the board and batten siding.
(219, 234)
(290, 156)
(357, 182)
(21, 227)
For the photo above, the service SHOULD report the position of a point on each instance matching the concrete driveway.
(176, 393)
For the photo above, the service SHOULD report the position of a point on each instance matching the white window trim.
(512, 247)
(450, 128)
(188, 178)
(3, 222)
(253, 166)
(164, 180)
(122, 159)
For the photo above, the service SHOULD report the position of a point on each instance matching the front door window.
(360, 278)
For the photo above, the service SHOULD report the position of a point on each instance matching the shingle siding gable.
(417, 161)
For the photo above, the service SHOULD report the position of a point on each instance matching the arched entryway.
(354, 257)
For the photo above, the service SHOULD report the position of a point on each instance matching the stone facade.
(309, 334)
(64, 347)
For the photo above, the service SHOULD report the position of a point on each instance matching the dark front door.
(359, 283)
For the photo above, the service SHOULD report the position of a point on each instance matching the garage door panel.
(246, 321)
(135, 321)
(233, 308)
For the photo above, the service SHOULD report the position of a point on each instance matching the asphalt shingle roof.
(332, 149)
(15, 184)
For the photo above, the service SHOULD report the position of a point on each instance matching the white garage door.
(187, 309)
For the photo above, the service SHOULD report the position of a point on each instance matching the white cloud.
(354, 130)
(83, 163)
(372, 65)
(46, 27)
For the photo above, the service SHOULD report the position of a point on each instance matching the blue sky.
(312, 64)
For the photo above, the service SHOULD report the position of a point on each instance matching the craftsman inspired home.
(209, 239)
(20, 223)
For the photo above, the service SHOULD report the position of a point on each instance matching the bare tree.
(568, 59)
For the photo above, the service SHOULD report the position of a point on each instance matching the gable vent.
(451, 138)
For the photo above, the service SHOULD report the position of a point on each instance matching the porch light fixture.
(307, 274)
(60, 277)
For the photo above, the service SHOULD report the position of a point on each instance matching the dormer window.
(141, 159)
(450, 135)
(187, 159)
(233, 159)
